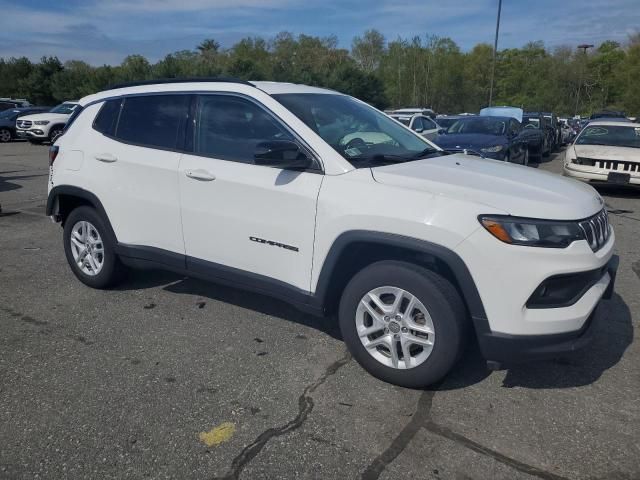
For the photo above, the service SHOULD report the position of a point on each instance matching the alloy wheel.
(394, 327)
(5, 135)
(87, 248)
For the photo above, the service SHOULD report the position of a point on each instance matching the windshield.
(446, 122)
(403, 120)
(613, 135)
(64, 108)
(481, 125)
(529, 122)
(358, 132)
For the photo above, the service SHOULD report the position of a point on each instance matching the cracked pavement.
(121, 383)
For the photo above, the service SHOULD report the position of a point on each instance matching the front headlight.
(495, 149)
(532, 232)
(41, 122)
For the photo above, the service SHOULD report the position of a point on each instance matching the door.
(250, 223)
(517, 143)
(133, 167)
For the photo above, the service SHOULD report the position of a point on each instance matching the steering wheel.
(356, 142)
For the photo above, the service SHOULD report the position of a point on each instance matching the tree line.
(426, 71)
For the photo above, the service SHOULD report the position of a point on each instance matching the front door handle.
(200, 175)
(106, 157)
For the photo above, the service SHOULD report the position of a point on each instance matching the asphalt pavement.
(168, 377)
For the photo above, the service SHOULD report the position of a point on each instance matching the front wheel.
(5, 135)
(403, 323)
(89, 249)
(55, 133)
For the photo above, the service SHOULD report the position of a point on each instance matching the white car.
(42, 127)
(415, 249)
(419, 123)
(605, 151)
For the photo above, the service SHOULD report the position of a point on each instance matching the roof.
(199, 85)
(613, 123)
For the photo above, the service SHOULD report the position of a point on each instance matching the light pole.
(584, 47)
(495, 53)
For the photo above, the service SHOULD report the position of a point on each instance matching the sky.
(106, 31)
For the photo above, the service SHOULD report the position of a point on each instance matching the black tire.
(5, 135)
(55, 133)
(438, 296)
(112, 269)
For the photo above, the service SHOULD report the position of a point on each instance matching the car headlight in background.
(41, 122)
(531, 232)
(495, 149)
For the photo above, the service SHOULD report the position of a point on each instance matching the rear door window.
(154, 121)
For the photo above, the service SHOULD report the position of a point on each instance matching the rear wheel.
(89, 250)
(402, 323)
(5, 135)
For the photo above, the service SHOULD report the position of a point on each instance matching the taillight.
(53, 153)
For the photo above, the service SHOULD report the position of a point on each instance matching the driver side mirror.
(284, 154)
(442, 131)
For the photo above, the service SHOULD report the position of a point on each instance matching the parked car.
(427, 112)
(445, 121)
(8, 120)
(8, 103)
(493, 137)
(548, 128)
(48, 126)
(536, 136)
(418, 123)
(605, 151)
(608, 114)
(554, 125)
(415, 249)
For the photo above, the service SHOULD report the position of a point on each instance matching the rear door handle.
(106, 157)
(200, 175)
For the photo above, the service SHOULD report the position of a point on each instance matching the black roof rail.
(160, 81)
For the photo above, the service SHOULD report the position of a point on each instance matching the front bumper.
(503, 348)
(595, 175)
(34, 133)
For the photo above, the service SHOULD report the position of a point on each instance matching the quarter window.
(107, 117)
(230, 128)
(153, 120)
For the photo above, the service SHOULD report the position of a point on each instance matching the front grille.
(613, 165)
(596, 229)
(24, 123)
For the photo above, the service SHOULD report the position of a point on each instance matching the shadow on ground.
(613, 334)
(174, 283)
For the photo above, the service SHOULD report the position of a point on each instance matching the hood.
(606, 152)
(473, 141)
(52, 117)
(513, 189)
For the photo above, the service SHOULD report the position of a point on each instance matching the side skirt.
(142, 257)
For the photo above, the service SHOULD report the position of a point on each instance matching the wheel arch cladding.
(63, 199)
(353, 250)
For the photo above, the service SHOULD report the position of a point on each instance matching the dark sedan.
(499, 138)
(8, 120)
(536, 136)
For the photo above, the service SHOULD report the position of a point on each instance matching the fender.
(70, 190)
(457, 266)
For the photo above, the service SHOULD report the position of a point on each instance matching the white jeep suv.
(253, 184)
(42, 127)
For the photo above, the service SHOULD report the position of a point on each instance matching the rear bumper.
(506, 349)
